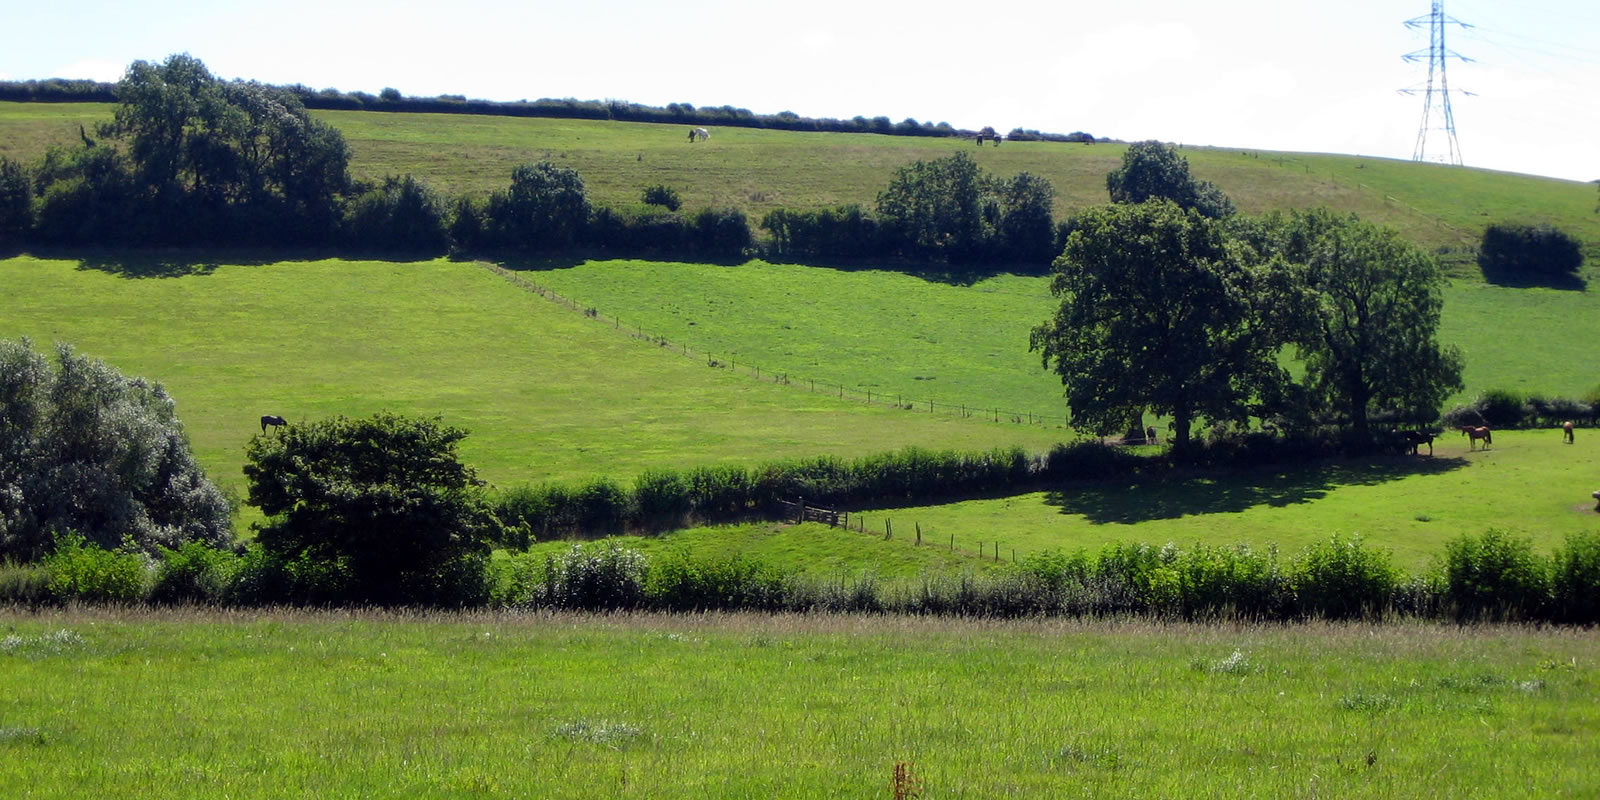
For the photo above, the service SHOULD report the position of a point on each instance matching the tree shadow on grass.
(175, 263)
(1142, 499)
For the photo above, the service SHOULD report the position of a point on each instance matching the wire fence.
(990, 549)
(727, 361)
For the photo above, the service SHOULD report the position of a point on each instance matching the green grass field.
(758, 170)
(546, 393)
(207, 705)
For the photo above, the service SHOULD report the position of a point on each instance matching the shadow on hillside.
(537, 263)
(1135, 500)
(932, 273)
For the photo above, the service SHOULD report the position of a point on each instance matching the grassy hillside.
(920, 339)
(546, 393)
(759, 170)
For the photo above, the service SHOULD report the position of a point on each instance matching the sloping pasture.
(761, 170)
(545, 392)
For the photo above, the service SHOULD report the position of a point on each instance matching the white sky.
(1285, 75)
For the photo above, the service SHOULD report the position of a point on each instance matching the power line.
(1436, 116)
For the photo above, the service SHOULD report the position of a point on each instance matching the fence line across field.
(890, 399)
(799, 512)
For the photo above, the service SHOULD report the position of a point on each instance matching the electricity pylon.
(1433, 114)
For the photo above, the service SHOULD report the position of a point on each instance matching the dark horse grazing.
(1473, 434)
(275, 422)
(1417, 439)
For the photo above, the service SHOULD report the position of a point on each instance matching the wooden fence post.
(919, 534)
(888, 529)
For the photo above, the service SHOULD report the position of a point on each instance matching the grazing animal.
(1150, 435)
(1418, 438)
(1566, 428)
(268, 419)
(1473, 434)
(700, 134)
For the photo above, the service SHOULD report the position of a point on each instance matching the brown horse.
(1473, 434)
(1566, 429)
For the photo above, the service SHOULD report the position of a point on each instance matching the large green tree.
(227, 159)
(950, 209)
(1156, 314)
(1368, 320)
(546, 207)
(1152, 170)
(84, 448)
(383, 500)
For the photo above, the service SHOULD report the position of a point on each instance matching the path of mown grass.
(545, 393)
(760, 170)
(187, 705)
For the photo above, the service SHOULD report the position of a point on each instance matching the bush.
(86, 449)
(661, 195)
(602, 507)
(723, 233)
(1088, 460)
(1511, 251)
(678, 581)
(663, 499)
(1231, 582)
(23, 583)
(383, 499)
(1501, 408)
(1342, 579)
(612, 578)
(87, 573)
(1575, 580)
(194, 573)
(402, 215)
(1495, 576)
(16, 205)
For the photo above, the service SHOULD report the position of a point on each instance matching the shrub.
(86, 449)
(1495, 576)
(602, 507)
(721, 492)
(1575, 579)
(1231, 582)
(1342, 579)
(1501, 408)
(88, 573)
(384, 498)
(23, 583)
(1511, 251)
(401, 215)
(16, 204)
(722, 233)
(194, 573)
(661, 195)
(612, 578)
(662, 498)
(678, 581)
(1088, 460)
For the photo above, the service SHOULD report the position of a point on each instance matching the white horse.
(699, 133)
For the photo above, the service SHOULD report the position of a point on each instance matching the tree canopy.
(1152, 170)
(950, 209)
(85, 449)
(1367, 324)
(384, 501)
(1156, 314)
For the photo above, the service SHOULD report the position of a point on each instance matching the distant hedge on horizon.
(61, 90)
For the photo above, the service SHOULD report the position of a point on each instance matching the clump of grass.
(602, 732)
(1375, 702)
(33, 736)
(45, 644)
(1237, 663)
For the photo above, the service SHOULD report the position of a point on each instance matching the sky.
(1258, 74)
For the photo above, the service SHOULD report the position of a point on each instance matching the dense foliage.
(87, 450)
(1489, 577)
(381, 503)
(1157, 314)
(1153, 170)
(1528, 253)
